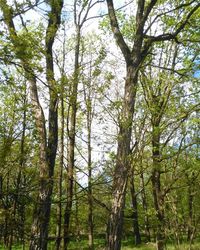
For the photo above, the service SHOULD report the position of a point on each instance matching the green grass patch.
(99, 244)
(152, 246)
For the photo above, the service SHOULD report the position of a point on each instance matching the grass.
(152, 246)
(126, 245)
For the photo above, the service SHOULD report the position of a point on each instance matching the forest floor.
(142, 247)
(126, 245)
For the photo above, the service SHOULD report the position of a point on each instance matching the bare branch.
(106, 14)
(117, 33)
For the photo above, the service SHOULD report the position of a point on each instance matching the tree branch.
(167, 12)
(117, 33)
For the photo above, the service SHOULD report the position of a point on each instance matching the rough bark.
(39, 230)
(123, 161)
(42, 213)
(133, 60)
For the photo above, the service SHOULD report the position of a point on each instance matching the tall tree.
(134, 57)
(81, 11)
(48, 143)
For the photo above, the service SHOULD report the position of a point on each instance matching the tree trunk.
(39, 235)
(90, 199)
(71, 144)
(145, 207)
(60, 179)
(123, 161)
(133, 58)
(136, 229)
(157, 193)
(22, 212)
(7, 223)
(42, 213)
(190, 209)
(77, 220)
(39, 230)
(1, 187)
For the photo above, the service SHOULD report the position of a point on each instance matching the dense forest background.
(99, 124)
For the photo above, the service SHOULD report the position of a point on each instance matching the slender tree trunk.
(157, 192)
(145, 207)
(70, 192)
(90, 217)
(190, 210)
(78, 230)
(1, 188)
(71, 144)
(60, 179)
(79, 19)
(22, 213)
(90, 199)
(7, 222)
(190, 200)
(136, 229)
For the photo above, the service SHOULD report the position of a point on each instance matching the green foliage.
(126, 24)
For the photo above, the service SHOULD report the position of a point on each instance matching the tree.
(142, 43)
(48, 143)
(81, 12)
